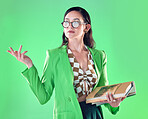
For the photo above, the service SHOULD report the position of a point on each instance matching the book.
(118, 90)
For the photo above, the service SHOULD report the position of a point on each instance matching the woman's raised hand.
(21, 56)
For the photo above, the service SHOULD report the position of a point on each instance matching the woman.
(74, 69)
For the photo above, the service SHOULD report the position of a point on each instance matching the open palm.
(20, 56)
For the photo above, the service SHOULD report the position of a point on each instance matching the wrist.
(29, 65)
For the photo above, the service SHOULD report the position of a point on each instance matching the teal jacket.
(58, 75)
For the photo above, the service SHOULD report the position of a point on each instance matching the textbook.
(118, 90)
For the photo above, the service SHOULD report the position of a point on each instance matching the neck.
(76, 45)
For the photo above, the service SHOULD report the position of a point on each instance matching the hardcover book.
(118, 90)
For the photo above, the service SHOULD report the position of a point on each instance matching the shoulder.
(55, 51)
(98, 52)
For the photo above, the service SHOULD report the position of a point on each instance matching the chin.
(70, 37)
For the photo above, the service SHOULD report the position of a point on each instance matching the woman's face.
(77, 32)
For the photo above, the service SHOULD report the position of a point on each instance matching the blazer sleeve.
(104, 81)
(42, 88)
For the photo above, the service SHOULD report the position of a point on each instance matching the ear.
(88, 26)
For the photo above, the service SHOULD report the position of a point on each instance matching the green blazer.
(58, 75)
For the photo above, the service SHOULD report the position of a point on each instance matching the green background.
(119, 28)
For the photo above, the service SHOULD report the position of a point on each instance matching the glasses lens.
(75, 24)
(65, 24)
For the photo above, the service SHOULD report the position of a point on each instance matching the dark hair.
(88, 39)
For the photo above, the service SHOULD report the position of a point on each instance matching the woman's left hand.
(112, 101)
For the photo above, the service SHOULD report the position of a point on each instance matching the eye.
(65, 23)
(75, 23)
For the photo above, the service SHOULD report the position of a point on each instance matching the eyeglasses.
(75, 24)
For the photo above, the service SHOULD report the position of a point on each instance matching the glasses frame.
(72, 23)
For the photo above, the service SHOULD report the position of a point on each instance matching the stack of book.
(118, 90)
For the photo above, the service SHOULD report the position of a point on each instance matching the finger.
(103, 101)
(9, 51)
(22, 55)
(111, 97)
(123, 98)
(119, 99)
(107, 96)
(19, 52)
(12, 52)
(15, 54)
(24, 52)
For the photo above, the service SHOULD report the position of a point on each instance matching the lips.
(70, 31)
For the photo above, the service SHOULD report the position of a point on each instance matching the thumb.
(123, 98)
(24, 52)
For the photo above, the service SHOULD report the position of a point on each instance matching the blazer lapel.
(66, 64)
(93, 52)
(97, 68)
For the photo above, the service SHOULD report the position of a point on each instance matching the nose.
(70, 25)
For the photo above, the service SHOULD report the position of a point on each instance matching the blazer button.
(69, 99)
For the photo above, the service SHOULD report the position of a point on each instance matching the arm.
(43, 88)
(104, 81)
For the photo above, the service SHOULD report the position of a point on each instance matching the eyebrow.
(74, 18)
